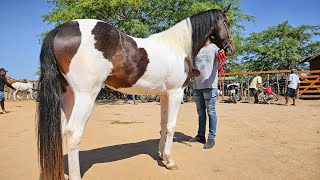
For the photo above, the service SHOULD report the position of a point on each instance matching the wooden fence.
(309, 85)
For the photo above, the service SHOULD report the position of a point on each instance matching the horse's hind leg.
(163, 124)
(174, 101)
(83, 105)
(31, 94)
(67, 103)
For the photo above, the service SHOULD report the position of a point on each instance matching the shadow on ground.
(122, 151)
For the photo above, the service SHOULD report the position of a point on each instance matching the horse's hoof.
(172, 166)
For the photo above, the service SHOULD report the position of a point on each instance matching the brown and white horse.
(78, 57)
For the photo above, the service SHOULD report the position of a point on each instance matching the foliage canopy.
(279, 47)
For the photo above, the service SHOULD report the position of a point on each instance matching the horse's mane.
(201, 24)
(180, 35)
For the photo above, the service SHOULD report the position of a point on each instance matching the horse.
(79, 56)
(20, 86)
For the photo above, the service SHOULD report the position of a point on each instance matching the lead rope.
(221, 61)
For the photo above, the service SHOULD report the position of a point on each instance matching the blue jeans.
(133, 98)
(1, 96)
(206, 102)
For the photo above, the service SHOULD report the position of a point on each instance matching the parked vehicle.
(267, 95)
(234, 92)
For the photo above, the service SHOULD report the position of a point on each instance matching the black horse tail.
(49, 113)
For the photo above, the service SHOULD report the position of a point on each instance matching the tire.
(239, 97)
(234, 98)
(265, 100)
(143, 99)
(150, 98)
(274, 98)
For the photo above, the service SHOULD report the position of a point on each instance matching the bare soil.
(120, 142)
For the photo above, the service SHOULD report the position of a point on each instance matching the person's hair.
(293, 71)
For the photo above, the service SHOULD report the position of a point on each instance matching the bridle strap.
(229, 37)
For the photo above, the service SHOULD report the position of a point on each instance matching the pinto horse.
(78, 57)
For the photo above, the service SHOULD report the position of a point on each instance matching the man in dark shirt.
(3, 81)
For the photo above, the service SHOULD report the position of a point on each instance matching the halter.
(229, 37)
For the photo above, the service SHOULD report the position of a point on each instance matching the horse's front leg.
(84, 102)
(174, 101)
(15, 95)
(163, 123)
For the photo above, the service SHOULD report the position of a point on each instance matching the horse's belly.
(144, 87)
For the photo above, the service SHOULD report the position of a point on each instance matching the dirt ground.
(120, 142)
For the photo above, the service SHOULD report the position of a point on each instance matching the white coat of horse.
(78, 57)
(20, 86)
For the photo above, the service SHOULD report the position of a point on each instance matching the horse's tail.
(49, 117)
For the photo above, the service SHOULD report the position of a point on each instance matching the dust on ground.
(120, 142)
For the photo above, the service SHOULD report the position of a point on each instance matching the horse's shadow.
(118, 152)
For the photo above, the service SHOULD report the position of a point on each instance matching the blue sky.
(21, 24)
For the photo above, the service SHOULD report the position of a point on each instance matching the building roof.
(310, 58)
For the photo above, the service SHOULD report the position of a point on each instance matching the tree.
(279, 47)
(141, 18)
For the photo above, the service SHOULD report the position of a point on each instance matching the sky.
(22, 24)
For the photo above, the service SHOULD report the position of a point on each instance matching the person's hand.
(195, 72)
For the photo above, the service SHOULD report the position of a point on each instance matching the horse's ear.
(225, 9)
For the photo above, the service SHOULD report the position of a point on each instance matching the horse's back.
(22, 86)
(90, 49)
(85, 43)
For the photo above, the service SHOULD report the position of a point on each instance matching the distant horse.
(20, 86)
(79, 56)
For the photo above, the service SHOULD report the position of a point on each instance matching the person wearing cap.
(293, 86)
(3, 81)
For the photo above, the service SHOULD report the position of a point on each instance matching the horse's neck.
(178, 37)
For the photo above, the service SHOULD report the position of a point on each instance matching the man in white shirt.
(293, 86)
(205, 92)
(254, 86)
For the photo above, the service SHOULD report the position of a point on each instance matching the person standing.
(126, 99)
(3, 81)
(205, 92)
(293, 86)
(256, 83)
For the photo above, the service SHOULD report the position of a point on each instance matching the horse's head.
(31, 84)
(214, 25)
(219, 32)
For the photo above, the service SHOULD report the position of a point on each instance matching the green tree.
(279, 47)
(141, 18)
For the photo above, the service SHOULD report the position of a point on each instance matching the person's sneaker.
(200, 139)
(209, 144)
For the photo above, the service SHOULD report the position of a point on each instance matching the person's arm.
(195, 68)
(259, 83)
(7, 83)
(298, 84)
(290, 79)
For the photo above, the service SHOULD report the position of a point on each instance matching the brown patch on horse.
(63, 83)
(187, 70)
(66, 44)
(129, 62)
